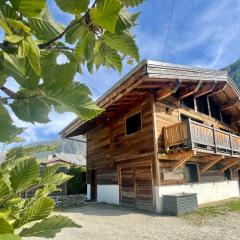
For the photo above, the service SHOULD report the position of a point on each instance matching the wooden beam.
(185, 156)
(168, 90)
(236, 169)
(210, 164)
(227, 166)
(218, 88)
(205, 89)
(230, 104)
(189, 90)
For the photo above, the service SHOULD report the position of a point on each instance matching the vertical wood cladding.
(136, 186)
(108, 145)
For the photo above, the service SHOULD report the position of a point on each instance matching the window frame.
(125, 124)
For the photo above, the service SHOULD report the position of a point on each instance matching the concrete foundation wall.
(88, 191)
(108, 194)
(206, 192)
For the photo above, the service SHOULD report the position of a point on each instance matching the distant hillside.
(63, 146)
(234, 71)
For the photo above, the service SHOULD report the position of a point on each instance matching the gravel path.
(104, 222)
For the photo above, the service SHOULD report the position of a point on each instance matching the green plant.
(99, 35)
(18, 174)
(77, 184)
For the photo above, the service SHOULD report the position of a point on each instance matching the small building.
(66, 159)
(166, 129)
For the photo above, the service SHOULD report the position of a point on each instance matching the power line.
(168, 30)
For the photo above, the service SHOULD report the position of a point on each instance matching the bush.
(77, 184)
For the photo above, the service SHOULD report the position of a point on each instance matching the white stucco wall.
(88, 191)
(108, 194)
(206, 192)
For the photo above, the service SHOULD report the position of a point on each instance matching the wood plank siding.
(187, 132)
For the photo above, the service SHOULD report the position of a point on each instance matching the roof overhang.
(162, 79)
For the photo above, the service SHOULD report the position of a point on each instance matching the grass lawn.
(219, 208)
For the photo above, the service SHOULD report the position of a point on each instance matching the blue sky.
(203, 33)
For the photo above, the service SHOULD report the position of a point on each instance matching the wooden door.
(93, 186)
(144, 187)
(137, 187)
(127, 187)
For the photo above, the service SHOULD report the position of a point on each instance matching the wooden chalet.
(166, 129)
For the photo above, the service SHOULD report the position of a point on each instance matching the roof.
(74, 159)
(157, 75)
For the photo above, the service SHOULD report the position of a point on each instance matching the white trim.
(88, 191)
(206, 192)
(108, 194)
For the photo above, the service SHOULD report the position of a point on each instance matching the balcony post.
(189, 122)
(214, 138)
(230, 142)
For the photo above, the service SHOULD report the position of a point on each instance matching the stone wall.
(64, 201)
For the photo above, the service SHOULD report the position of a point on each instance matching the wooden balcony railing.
(197, 136)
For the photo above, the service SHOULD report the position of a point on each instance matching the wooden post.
(214, 138)
(189, 122)
(230, 142)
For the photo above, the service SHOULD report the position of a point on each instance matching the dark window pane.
(202, 104)
(188, 102)
(214, 108)
(191, 173)
(133, 124)
(227, 174)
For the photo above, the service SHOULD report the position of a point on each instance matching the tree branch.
(9, 92)
(46, 44)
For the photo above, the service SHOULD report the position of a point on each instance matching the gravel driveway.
(104, 222)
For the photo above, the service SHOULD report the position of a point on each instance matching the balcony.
(201, 138)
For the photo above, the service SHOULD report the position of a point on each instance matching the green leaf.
(131, 3)
(122, 42)
(44, 27)
(14, 66)
(48, 227)
(59, 76)
(84, 45)
(23, 49)
(8, 11)
(24, 174)
(9, 237)
(5, 191)
(7, 129)
(18, 25)
(34, 56)
(5, 226)
(74, 100)
(105, 14)
(114, 60)
(73, 6)
(4, 24)
(56, 179)
(75, 32)
(39, 209)
(126, 20)
(13, 38)
(29, 8)
(31, 110)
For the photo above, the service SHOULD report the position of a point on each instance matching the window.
(226, 119)
(188, 102)
(133, 124)
(202, 104)
(214, 109)
(227, 174)
(191, 173)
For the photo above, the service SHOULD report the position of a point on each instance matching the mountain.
(75, 145)
(234, 71)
